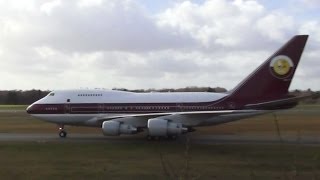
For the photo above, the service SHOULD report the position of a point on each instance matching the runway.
(196, 139)
(12, 111)
(199, 139)
(308, 111)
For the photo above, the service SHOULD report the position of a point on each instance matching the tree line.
(185, 89)
(19, 97)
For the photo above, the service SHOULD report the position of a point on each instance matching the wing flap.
(188, 113)
(193, 117)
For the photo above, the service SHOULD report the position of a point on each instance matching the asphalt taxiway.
(199, 139)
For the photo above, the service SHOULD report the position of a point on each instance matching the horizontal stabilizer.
(278, 104)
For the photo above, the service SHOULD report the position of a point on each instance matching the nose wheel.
(62, 132)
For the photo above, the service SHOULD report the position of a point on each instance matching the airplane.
(171, 114)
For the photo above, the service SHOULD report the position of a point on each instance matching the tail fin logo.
(281, 66)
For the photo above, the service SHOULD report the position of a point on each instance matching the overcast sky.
(63, 44)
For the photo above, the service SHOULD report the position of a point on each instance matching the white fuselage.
(87, 106)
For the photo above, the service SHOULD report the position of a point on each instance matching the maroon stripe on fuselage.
(96, 108)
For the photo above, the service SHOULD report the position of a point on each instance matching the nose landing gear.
(62, 132)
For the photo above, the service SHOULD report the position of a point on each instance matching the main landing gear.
(62, 132)
(152, 138)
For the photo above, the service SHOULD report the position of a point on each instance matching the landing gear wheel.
(172, 137)
(150, 138)
(153, 138)
(63, 134)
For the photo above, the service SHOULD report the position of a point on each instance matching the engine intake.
(162, 127)
(115, 128)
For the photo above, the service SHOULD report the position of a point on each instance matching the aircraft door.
(67, 108)
(101, 108)
(179, 107)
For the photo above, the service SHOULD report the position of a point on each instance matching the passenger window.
(68, 100)
(51, 94)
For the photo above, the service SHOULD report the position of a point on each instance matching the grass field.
(161, 159)
(157, 160)
(13, 107)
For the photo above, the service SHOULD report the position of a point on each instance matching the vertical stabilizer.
(271, 80)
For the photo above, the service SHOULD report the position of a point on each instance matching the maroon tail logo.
(281, 66)
(271, 80)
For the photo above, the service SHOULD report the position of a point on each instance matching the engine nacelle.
(115, 128)
(162, 127)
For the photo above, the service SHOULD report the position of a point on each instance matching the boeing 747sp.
(174, 113)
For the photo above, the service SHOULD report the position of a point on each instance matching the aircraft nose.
(30, 109)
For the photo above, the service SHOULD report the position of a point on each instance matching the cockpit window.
(51, 94)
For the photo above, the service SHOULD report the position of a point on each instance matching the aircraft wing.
(152, 115)
(145, 116)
